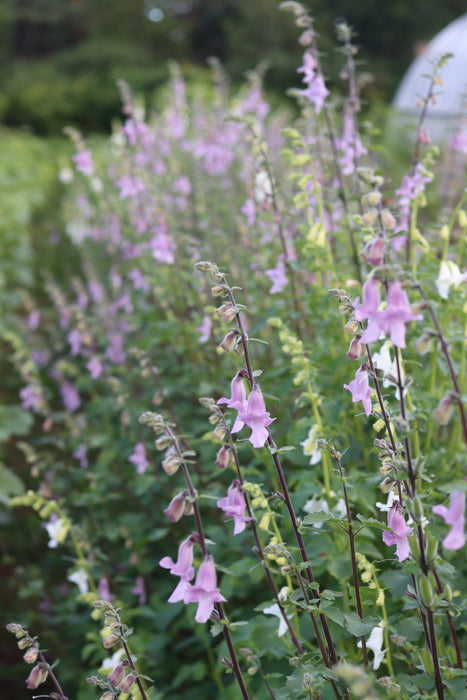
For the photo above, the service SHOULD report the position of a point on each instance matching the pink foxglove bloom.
(277, 276)
(360, 389)
(70, 397)
(369, 311)
(95, 367)
(256, 417)
(204, 591)
(400, 532)
(396, 314)
(138, 458)
(234, 507)
(37, 676)
(454, 516)
(205, 329)
(83, 162)
(316, 92)
(183, 568)
(139, 589)
(81, 454)
(104, 590)
(237, 401)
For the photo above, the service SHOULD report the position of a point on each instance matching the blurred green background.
(60, 58)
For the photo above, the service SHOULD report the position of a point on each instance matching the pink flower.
(139, 458)
(369, 311)
(204, 591)
(205, 329)
(391, 320)
(237, 401)
(37, 676)
(396, 314)
(104, 590)
(277, 276)
(316, 92)
(139, 589)
(256, 417)
(400, 532)
(81, 454)
(95, 367)
(83, 161)
(234, 506)
(454, 516)
(183, 568)
(70, 397)
(360, 389)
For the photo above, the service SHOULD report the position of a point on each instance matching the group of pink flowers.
(251, 412)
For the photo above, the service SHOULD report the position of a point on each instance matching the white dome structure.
(450, 96)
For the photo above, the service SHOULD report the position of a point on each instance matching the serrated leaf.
(359, 627)
(318, 517)
(10, 484)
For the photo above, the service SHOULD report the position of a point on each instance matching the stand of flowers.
(296, 535)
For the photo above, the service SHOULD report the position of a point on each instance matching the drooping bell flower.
(454, 516)
(257, 418)
(400, 532)
(237, 401)
(204, 591)
(234, 506)
(360, 389)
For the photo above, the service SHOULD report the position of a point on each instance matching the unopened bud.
(230, 341)
(218, 290)
(108, 695)
(16, 629)
(351, 326)
(423, 343)
(355, 348)
(427, 661)
(448, 592)
(219, 433)
(117, 675)
(24, 643)
(109, 641)
(163, 442)
(388, 219)
(374, 251)
(252, 670)
(431, 549)
(226, 662)
(172, 462)
(223, 457)
(227, 311)
(177, 507)
(128, 681)
(369, 217)
(425, 591)
(443, 411)
(372, 198)
(31, 655)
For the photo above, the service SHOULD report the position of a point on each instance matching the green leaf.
(14, 420)
(359, 627)
(10, 484)
(318, 517)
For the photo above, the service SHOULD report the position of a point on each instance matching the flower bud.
(388, 220)
(372, 199)
(117, 675)
(109, 641)
(351, 326)
(448, 592)
(31, 655)
(37, 676)
(223, 457)
(108, 695)
(176, 508)
(24, 643)
(172, 462)
(163, 442)
(374, 251)
(370, 217)
(227, 311)
(16, 629)
(230, 341)
(427, 662)
(443, 411)
(218, 290)
(219, 433)
(127, 683)
(355, 348)
(431, 549)
(425, 591)
(423, 343)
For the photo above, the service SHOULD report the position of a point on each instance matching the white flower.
(316, 505)
(449, 276)
(386, 507)
(54, 529)
(110, 664)
(80, 577)
(275, 610)
(263, 186)
(309, 445)
(375, 643)
(382, 361)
